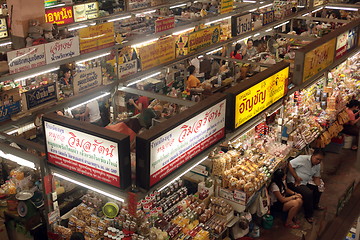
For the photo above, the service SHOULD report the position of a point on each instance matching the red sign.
(60, 16)
(164, 24)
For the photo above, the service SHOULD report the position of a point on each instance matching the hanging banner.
(164, 24)
(86, 11)
(87, 79)
(241, 24)
(26, 58)
(157, 53)
(268, 17)
(345, 42)
(127, 68)
(96, 37)
(226, 6)
(318, 59)
(6, 110)
(60, 16)
(3, 28)
(257, 98)
(40, 95)
(62, 49)
(204, 38)
(181, 144)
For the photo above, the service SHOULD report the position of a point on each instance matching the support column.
(20, 12)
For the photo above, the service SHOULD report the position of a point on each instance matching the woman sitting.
(284, 199)
(351, 127)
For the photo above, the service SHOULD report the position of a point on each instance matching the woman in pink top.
(351, 127)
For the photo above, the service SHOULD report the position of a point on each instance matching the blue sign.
(8, 109)
(40, 95)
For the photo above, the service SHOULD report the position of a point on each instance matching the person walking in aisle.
(284, 199)
(302, 170)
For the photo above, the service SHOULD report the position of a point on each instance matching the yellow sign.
(96, 37)
(318, 59)
(157, 53)
(254, 100)
(226, 6)
(204, 38)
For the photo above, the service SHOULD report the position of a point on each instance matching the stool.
(348, 141)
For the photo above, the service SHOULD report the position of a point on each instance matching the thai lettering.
(320, 56)
(61, 46)
(249, 103)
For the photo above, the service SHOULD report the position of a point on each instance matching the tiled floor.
(339, 170)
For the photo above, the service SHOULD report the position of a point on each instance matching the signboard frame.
(122, 140)
(143, 141)
(235, 27)
(233, 92)
(31, 94)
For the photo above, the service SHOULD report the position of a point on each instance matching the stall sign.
(96, 37)
(3, 28)
(157, 53)
(62, 49)
(83, 153)
(241, 24)
(318, 59)
(257, 98)
(127, 68)
(138, 4)
(182, 143)
(204, 38)
(226, 6)
(164, 24)
(87, 79)
(38, 96)
(86, 11)
(49, 3)
(268, 17)
(6, 110)
(60, 16)
(345, 42)
(26, 58)
(318, 2)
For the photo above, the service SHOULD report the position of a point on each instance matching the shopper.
(249, 50)
(192, 81)
(236, 54)
(351, 127)
(92, 111)
(284, 199)
(302, 170)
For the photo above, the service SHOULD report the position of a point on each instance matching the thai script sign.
(62, 49)
(345, 42)
(96, 37)
(127, 68)
(86, 80)
(60, 16)
(241, 24)
(182, 143)
(164, 24)
(3, 28)
(257, 98)
(86, 11)
(38, 96)
(204, 38)
(26, 58)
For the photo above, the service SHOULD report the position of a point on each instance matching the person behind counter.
(67, 78)
(249, 50)
(351, 127)
(236, 53)
(141, 104)
(192, 81)
(92, 111)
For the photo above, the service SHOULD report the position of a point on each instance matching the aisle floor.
(339, 170)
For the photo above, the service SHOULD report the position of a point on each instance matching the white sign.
(87, 79)
(26, 58)
(83, 153)
(127, 68)
(241, 24)
(62, 49)
(171, 150)
(345, 42)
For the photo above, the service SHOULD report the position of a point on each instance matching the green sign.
(49, 3)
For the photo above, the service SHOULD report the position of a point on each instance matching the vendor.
(67, 78)
(192, 81)
(351, 127)
(92, 111)
(142, 103)
(249, 50)
(236, 53)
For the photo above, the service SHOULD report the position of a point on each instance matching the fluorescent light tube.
(213, 51)
(92, 58)
(77, 27)
(56, 5)
(89, 187)
(182, 31)
(252, 10)
(342, 8)
(267, 5)
(143, 43)
(144, 13)
(215, 21)
(314, 11)
(268, 30)
(256, 34)
(37, 74)
(143, 79)
(249, 1)
(4, 44)
(182, 174)
(86, 102)
(281, 24)
(118, 19)
(176, 6)
(18, 160)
